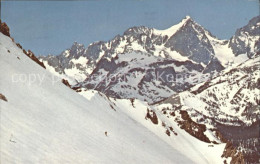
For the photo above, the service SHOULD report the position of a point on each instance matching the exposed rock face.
(244, 139)
(152, 116)
(192, 40)
(193, 128)
(231, 151)
(246, 39)
(2, 97)
(31, 55)
(4, 28)
(65, 82)
(213, 66)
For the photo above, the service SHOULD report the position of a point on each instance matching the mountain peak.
(187, 18)
(172, 30)
(77, 44)
(137, 30)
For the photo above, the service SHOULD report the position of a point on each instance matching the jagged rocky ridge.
(75, 64)
(246, 39)
(186, 42)
(78, 62)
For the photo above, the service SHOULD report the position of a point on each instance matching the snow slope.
(181, 140)
(43, 121)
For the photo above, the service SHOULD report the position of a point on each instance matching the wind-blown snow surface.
(46, 122)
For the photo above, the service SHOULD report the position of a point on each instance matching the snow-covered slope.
(165, 128)
(43, 121)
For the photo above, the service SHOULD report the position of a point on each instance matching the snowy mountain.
(246, 39)
(78, 62)
(186, 52)
(44, 121)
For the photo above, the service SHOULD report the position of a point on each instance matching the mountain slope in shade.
(213, 66)
(246, 39)
(43, 121)
(192, 40)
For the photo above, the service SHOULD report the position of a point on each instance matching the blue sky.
(49, 27)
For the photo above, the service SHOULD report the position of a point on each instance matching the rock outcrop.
(4, 28)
